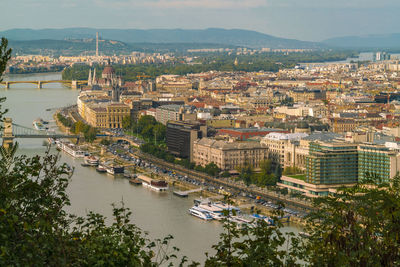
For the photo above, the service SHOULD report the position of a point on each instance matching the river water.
(158, 213)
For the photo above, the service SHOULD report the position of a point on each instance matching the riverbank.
(213, 192)
(157, 214)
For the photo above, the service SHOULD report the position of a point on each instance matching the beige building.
(223, 123)
(174, 113)
(96, 116)
(285, 148)
(340, 125)
(116, 112)
(228, 155)
(292, 150)
(303, 95)
(298, 111)
(107, 115)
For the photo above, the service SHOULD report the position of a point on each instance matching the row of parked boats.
(203, 209)
(208, 210)
(88, 160)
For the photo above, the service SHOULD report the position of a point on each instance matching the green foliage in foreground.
(255, 245)
(359, 226)
(5, 55)
(35, 229)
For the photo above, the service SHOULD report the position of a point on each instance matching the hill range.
(72, 40)
(233, 37)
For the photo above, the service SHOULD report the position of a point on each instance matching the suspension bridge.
(11, 130)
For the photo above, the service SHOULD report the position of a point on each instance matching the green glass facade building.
(332, 163)
(377, 161)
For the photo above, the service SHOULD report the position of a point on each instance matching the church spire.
(94, 76)
(90, 77)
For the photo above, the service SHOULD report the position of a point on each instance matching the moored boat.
(195, 211)
(267, 219)
(38, 125)
(215, 212)
(135, 181)
(115, 169)
(101, 169)
(91, 160)
(157, 185)
(72, 150)
(241, 221)
(229, 208)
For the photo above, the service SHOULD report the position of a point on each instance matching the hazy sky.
(301, 19)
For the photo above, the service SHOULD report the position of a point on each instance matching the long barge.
(156, 185)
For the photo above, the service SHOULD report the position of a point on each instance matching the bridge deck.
(42, 82)
(58, 136)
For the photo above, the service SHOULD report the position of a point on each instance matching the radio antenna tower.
(97, 44)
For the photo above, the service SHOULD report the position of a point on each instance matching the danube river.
(158, 213)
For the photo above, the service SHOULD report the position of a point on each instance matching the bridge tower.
(8, 136)
(74, 84)
(39, 85)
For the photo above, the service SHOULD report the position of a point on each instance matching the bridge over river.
(71, 83)
(10, 131)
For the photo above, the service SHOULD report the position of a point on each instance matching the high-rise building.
(378, 161)
(332, 163)
(181, 135)
(329, 166)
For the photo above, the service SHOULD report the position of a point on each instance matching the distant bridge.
(72, 83)
(12, 130)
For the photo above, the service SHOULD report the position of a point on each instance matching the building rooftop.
(253, 129)
(285, 136)
(322, 136)
(108, 70)
(225, 145)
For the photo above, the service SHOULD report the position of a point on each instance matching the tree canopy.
(5, 55)
(358, 226)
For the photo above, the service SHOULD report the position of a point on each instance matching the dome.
(108, 70)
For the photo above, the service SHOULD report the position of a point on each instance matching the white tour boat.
(199, 213)
(72, 150)
(91, 160)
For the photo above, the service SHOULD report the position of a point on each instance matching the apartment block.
(228, 155)
(181, 136)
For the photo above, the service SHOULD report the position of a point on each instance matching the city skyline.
(306, 20)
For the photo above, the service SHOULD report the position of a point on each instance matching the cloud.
(248, 4)
(211, 4)
(184, 4)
